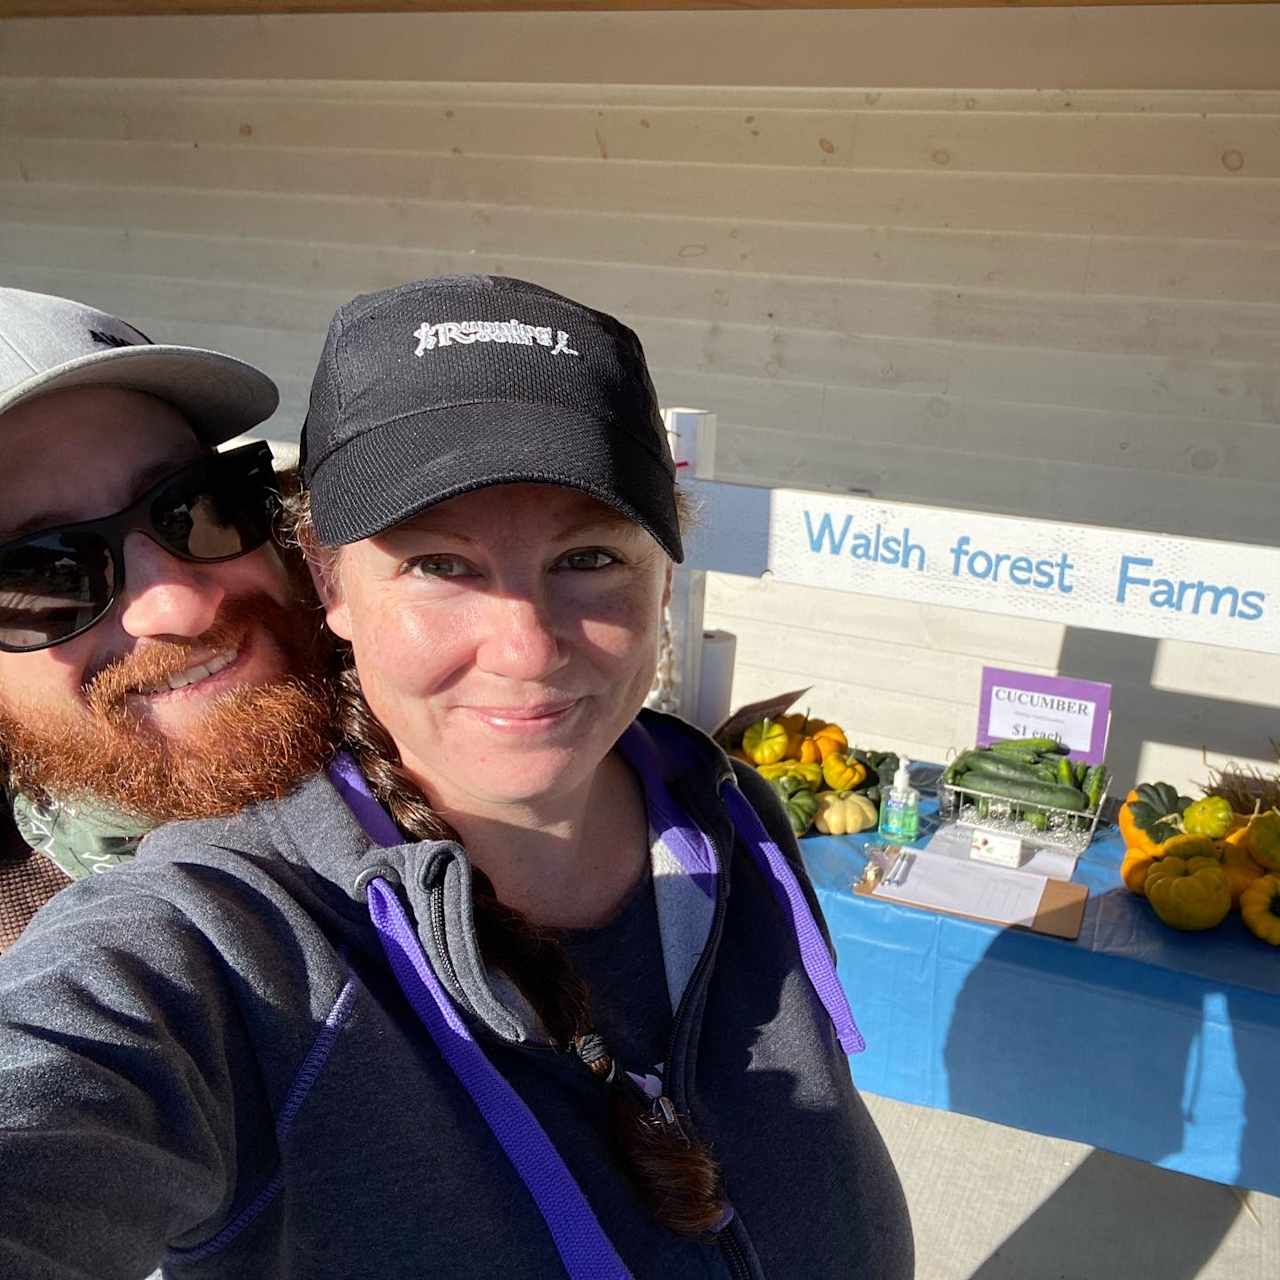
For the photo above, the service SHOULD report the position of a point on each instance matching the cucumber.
(1026, 792)
(1095, 785)
(952, 772)
(1015, 750)
(1015, 745)
(1005, 767)
(1081, 769)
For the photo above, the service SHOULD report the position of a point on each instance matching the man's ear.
(322, 563)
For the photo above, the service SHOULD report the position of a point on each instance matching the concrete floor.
(990, 1203)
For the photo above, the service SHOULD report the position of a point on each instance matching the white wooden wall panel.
(1015, 261)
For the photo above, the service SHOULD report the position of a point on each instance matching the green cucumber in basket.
(1021, 746)
(951, 774)
(1095, 786)
(1023, 790)
(1005, 767)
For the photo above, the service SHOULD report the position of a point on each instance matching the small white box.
(1001, 848)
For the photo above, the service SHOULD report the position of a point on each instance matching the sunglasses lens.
(215, 513)
(53, 586)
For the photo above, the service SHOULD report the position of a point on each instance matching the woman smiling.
(530, 982)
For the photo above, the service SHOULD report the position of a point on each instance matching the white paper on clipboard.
(966, 888)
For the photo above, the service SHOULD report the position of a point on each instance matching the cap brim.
(219, 395)
(391, 473)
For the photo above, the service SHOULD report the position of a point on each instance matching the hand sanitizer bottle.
(900, 807)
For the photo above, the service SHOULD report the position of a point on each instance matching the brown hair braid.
(673, 1171)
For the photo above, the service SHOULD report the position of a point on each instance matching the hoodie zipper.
(735, 1257)
(435, 919)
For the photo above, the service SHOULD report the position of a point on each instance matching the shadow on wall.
(1228, 727)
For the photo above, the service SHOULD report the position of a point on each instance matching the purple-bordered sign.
(1017, 704)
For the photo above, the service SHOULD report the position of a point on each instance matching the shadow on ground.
(1117, 1220)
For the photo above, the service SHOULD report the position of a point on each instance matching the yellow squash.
(1139, 860)
(1240, 868)
(766, 742)
(1263, 839)
(809, 773)
(1188, 893)
(779, 769)
(842, 774)
(1260, 908)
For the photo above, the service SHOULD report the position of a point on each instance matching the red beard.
(255, 743)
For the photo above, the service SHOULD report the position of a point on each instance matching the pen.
(892, 877)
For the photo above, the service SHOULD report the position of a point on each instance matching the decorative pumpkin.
(794, 723)
(1150, 815)
(1263, 839)
(844, 813)
(810, 752)
(1213, 817)
(842, 774)
(1260, 909)
(1137, 861)
(771, 772)
(830, 741)
(1241, 870)
(1188, 893)
(1134, 868)
(810, 774)
(766, 742)
(799, 802)
(1187, 847)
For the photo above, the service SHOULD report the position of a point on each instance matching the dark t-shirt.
(621, 962)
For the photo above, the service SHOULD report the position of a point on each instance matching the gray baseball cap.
(48, 343)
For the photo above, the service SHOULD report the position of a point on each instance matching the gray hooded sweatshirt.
(220, 1059)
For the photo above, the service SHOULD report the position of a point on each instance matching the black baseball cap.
(444, 386)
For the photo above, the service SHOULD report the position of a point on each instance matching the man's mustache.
(154, 662)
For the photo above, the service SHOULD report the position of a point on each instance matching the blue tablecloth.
(1134, 1038)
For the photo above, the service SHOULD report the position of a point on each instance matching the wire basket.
(1039, 824)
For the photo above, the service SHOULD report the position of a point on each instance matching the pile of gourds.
(1195, 861)
(823, 782)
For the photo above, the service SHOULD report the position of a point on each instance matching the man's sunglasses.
(59, 582)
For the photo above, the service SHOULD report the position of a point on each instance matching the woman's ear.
(325, 569)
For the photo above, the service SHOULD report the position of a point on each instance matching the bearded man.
(159, 658)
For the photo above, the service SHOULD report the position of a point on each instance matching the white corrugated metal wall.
(1023, 261)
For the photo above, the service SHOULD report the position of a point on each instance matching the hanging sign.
(1121, 580)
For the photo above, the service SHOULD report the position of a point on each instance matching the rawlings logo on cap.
(465, 332)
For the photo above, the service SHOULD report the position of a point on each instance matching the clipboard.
(1059, 915)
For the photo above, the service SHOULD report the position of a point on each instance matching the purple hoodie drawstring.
(814, 954)
(585, 1250)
